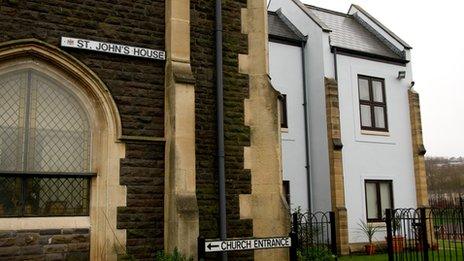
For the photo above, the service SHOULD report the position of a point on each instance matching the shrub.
(316, 253)
(175, 256)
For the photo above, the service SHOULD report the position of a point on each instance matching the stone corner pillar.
(337, 183)
(418, 149)
(181, 221)
(266, 204)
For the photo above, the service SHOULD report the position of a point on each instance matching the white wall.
(316, 49)
(364, 156)
(286, 73)
(371, 156)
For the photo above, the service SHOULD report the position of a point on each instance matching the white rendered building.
(311, 49)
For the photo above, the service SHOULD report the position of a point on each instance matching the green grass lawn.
(380, 257)
(447, 251)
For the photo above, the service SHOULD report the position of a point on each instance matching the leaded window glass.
(44, 148)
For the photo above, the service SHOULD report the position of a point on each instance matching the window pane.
(60, 135)
(283, 111)
(379, 114)
(35, 108)
(377, 91)
(56, 197)
(371, 199)
(10, 196)
(366, 120)
(13, 93)
(385, 197)
(364, 89)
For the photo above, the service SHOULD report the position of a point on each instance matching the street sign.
(112, 48)
(246, 244)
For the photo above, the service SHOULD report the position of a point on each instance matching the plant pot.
(370, 249)
(398, 244)
(419, 247)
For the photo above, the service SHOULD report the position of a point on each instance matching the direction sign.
(247, 244)
(112, 48)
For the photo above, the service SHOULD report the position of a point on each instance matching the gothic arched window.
(45, 148)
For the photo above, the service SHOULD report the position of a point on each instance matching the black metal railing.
(315, 234)
(425, 234)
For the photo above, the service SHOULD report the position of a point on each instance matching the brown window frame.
(379, 200)
(283, 116)
(372, 104)
(286, 186)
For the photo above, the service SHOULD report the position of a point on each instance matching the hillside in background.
(445, 180)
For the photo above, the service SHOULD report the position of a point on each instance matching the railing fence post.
(294, 246)
(388, 221)
(333, 233)
(201, 248)
(294, 237)
(295, 223)
(424, 240)
(461, 211)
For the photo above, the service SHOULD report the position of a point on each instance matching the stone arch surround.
(106, 241)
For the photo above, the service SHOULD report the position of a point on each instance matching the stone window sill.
(375, 133)
(26, 223)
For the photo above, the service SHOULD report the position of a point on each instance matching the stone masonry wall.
(336, 164)
(50, 244)
(418, 149)
(142, 171)
(136, 84)
(237, 135)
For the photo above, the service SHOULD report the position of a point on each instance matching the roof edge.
(290, 25)
(312, 16)
(327, 10)
(378, 23)
(369, 56)
(285, 40)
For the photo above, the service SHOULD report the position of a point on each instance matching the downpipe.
(220, 125)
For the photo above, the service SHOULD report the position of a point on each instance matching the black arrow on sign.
(212, 246)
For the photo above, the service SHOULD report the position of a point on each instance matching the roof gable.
(313, 17)
(348, 33)
(379, 24)
(281, 28)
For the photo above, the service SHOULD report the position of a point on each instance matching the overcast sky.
(435, 30)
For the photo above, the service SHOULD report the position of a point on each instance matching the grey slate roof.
(392, 34)
(350, 34)
(279, 28)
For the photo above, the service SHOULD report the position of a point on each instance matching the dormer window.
(372, 103)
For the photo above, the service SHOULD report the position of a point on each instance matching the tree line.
(445, 179)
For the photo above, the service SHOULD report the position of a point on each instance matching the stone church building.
(104, 154)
